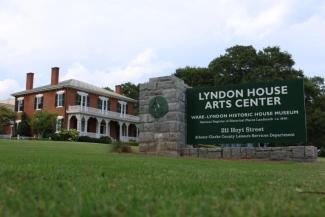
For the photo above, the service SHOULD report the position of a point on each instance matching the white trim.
(18, 121)
(82, 93)
(60, 92)
(59, 117)
(39, 95)
(103, 98)
(20, 98)
(122, 102)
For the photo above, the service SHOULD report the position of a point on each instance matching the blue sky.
(106, 42)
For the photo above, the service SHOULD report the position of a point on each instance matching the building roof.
(75, 84)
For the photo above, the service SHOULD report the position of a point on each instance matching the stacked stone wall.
(290, 153)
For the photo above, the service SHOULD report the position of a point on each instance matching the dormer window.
(20, 104)
(38, 103)
(59, 98)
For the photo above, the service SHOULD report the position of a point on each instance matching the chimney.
(55, 76)
(118, 89)
(29, 80)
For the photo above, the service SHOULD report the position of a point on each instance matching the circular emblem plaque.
(158, 106)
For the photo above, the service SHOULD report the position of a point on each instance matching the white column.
(78, 123)
(98, 127)
(108, 132)
(68, 124)
(124, 113)
(127, 132)
(86, 125)
(121, 124)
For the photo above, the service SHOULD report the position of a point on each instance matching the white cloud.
(138, 69)
(7, 87)
(103, 36)
(263, 23)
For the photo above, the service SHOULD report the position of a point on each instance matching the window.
(20, 104)
(59, 99)
(38, 103)
(59, 123)
(126, 108)
(119, 107)
(122, 107)
(102, 103)
(108, 105)
(82, 99)
(99, 103)
(78, 99)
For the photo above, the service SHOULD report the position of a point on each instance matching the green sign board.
(247, 113)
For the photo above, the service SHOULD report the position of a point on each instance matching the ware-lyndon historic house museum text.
(91, 110)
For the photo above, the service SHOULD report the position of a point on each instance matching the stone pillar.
(167, 133)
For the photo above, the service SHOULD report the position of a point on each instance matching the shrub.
(65, 135)
(322, 152)
(104, 139)
(121, 147)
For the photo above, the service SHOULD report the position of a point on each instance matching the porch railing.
(105, 114)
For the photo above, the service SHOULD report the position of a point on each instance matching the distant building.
(92, 110)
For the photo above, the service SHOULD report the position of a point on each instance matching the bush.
(123, 147)
(65, 135)
(322, 152)
(104, 139)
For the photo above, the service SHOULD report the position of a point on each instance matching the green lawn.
(41, 178)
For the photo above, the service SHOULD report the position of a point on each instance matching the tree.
(196, 76)
(241, 64)
(130, 90)
(6, 116)
(108, 88)
(43, 123)
(23, 127)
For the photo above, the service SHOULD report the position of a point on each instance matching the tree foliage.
(43, 123)
(130, 90)
(241, 64)
(23, 128)
(6, 116)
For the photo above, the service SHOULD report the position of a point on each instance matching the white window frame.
(123, 108)
(19, 103)
(104, 103)
(38, 100)
(83, 101)
(59, 94)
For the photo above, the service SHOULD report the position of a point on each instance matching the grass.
(43, 178)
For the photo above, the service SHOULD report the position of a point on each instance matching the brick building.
(92, 110)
